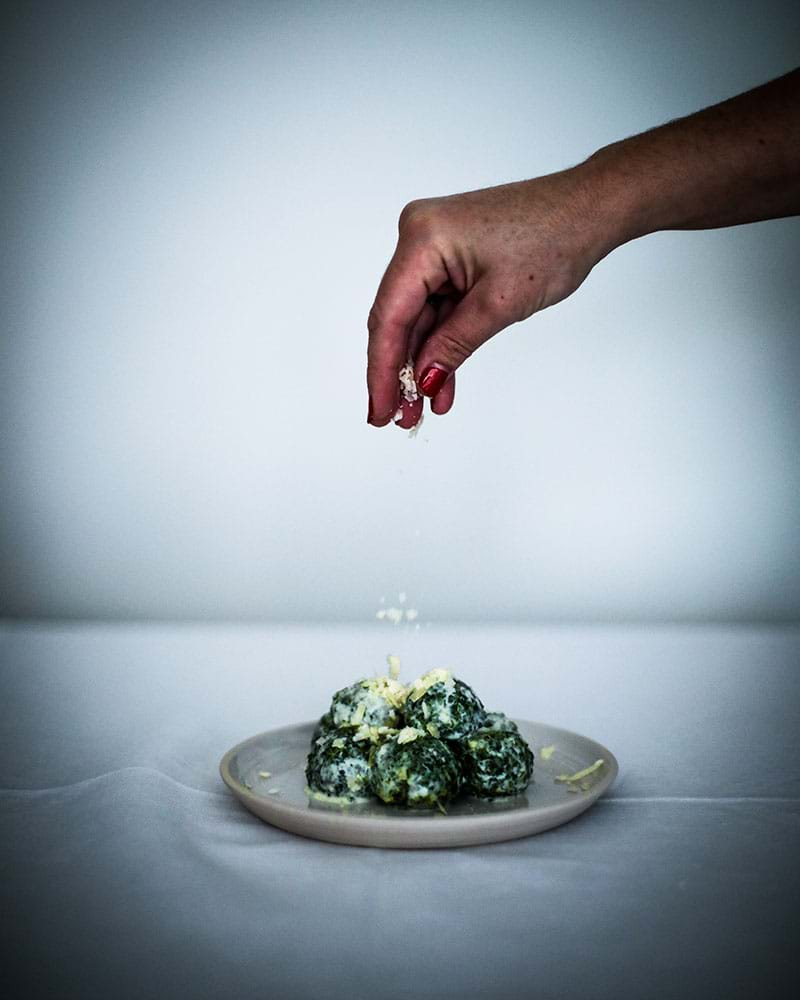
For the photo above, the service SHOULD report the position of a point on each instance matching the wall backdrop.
(198, 203)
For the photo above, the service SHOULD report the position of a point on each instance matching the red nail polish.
(432, 381)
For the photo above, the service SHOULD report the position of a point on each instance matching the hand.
(469, 265)
(466, 267)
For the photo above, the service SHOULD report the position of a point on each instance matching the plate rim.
(343, 827)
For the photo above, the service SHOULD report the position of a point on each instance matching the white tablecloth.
(128, 870)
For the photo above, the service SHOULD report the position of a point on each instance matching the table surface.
(128, 870)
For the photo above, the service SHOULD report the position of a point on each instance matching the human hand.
(466, 267)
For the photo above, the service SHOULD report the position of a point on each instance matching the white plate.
(281, 800)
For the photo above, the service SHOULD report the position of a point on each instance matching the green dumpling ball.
(414, 769)
(443, 706)
(494, 763)
(375, 702)
(499, 722)
(338, 766)
(322, 728)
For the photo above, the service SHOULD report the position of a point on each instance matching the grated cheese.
(410, 393)
(418, 687)
(396, 615)
(372, 733)
(409, 734)
(572, 779)
(388, 688)
(408, 385)
(547, 752)
(413, 431)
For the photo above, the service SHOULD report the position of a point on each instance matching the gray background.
(199, 202)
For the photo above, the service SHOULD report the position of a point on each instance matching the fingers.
(436, 311)
(428, 318)
(399, 306)
(411, 413)
(470, 325)
(442, 402)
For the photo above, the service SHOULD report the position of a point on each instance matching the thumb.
(470, 325)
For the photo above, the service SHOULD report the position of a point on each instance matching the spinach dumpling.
(495, 763)
(500, 722)
(338, 766)
(414, 769)
(443, 706)
(375, 702)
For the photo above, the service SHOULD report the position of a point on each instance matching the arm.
(468, 265)
(735, 162)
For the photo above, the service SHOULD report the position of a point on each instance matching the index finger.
(412, 275)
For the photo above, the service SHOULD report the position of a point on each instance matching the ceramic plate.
(280, 797)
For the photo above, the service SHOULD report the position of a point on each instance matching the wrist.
(615, 197)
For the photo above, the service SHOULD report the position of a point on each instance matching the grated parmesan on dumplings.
(418, 687)
(409, 734)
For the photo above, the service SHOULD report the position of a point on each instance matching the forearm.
(735, 162)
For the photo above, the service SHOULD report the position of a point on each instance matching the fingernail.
(369, 411)
(433, 380)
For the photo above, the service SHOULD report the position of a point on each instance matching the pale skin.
(469, 265)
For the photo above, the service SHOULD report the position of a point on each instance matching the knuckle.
(416, 219)
(409, 211)
(453, 347)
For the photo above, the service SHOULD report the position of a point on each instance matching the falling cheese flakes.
(397, 615)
